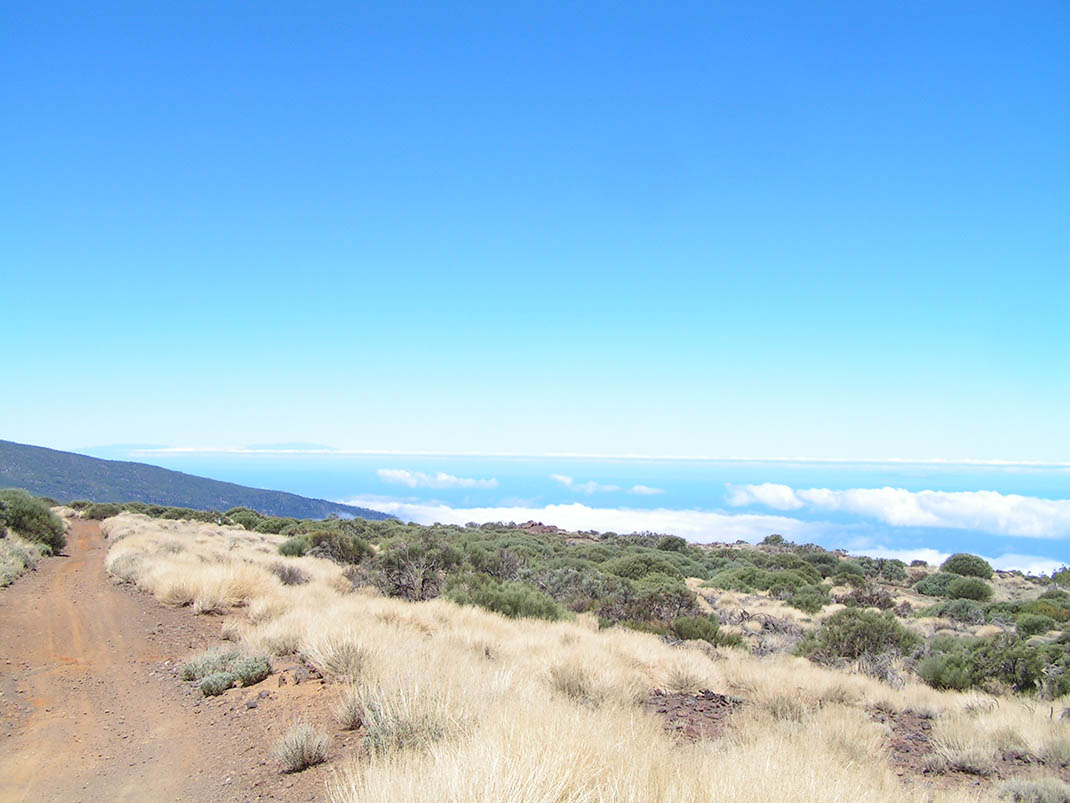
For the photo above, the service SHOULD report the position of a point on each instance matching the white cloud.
(590, 487)
(418, 479)
(780, 497)
(645, 490)
(985, 511)
(695, 525)
(1031, 564)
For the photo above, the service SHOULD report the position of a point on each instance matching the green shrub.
(968, 565)
(857, 633)
(826, 563)
(217, 670)
(32, 519)
(962, 663)
(1030, 624)
(294, 547)
(703, 628)
(961, 610)
(810, 599)
(636, 567)
(251, 670)
(217, 683)
(79, 504)
(969, 588)
(513, 599)
(208, 662)
(935, 585)
(102, 510)
(672, 543)
(892, 570)
(337, 546)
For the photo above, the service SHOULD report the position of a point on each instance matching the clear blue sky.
(722, 229)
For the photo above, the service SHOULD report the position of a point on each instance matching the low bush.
(207, 663)
(303, 746)
(636, 567)
(1030, 624)
(102, 510)
(967, 565)
(17, 557)
(935, 585)
(810, 599)
(867, 596)
(251, 670)
(32, 519)
(217, 670)
(294, 547)
(963, 663)
(288, 575)
(855, 633)
(969, 588)
(337, 546)
(961, 610)
(216, 683)
(513, 599)
(704, 628)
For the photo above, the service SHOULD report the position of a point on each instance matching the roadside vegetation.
(517, 662)
(29, 531)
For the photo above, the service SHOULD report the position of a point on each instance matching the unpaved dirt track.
(89, 709)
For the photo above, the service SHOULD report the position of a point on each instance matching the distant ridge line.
(66, 476)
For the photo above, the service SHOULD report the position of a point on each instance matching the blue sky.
(832, 230)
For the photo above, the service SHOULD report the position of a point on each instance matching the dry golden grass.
(461, 704)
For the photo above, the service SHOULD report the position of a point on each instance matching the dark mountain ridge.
(66, 476)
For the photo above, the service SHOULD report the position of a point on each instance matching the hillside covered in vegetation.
(526, 663)
(960, 625)
(65, 476)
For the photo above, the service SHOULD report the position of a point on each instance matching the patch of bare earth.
(91, 707)
(691, 717)
(911, 749)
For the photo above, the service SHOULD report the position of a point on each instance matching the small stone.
(252, 703)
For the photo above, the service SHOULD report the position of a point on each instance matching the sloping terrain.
(66, 476)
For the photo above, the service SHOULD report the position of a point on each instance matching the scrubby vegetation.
(29, 531)
(493, 661)
(967, 565)
(215, 671)
(32, 519)
(303, 746)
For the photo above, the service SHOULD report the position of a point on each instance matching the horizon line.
(952, 461)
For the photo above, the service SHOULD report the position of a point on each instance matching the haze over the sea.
(1017, 515)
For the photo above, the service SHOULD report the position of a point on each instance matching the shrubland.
(512, 662)
(29, 530)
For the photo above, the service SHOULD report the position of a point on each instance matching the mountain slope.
(66, 476)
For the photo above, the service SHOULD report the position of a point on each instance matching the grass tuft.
(303, 746)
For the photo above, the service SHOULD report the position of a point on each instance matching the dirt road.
(90, 707)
